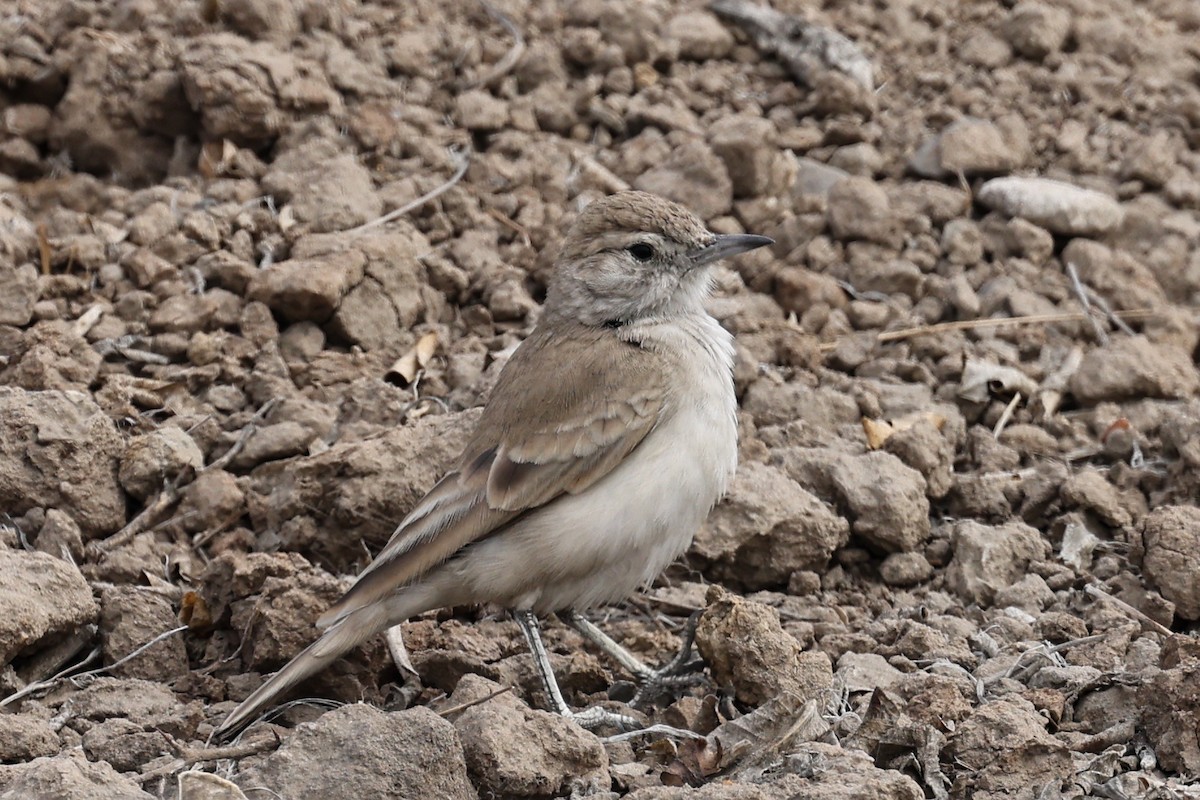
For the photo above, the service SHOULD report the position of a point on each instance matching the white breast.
(599, 546)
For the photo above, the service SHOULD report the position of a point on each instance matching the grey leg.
(650, 681)
(589, 718)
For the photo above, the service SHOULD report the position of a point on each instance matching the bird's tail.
(349, 632)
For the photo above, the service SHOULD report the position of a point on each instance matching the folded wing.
(568, 408)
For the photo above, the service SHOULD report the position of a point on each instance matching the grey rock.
(67, 775)
(989, 558)
(412, 753)
(766, 528)
(513, 750)
(1054, 205)
(40, 597)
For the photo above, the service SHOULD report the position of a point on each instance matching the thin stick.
(51, 681)
(173, 490)
(1081, 294)
(1157, 627)
(995, 322)
(510, 59)
(189, 756)
(1004, 322)
(92, 656)
(464, 159)
(1007, 415)
(1102, 304)
(511, 224)
(445, 713)
(130, 655)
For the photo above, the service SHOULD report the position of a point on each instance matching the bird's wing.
(567, 409)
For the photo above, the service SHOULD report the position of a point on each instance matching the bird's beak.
(728, 245)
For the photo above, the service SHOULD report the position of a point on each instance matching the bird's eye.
(641, 251)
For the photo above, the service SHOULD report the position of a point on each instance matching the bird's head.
(635, 255)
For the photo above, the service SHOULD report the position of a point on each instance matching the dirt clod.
(748, 649)
(767, 528)
(513, 749)
(411, 753)
(1171, 538)
(988, 559)
(68, 775)
(59, 450)
(43, 598)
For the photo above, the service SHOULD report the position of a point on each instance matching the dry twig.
(995, 322)
(463, 157)
(172, 492)
(510, 59)
(1157, 627)
(50, 682)
(92, 656)
(446, 713)
(1007, 415)
(1081, 294)
(511, 224)
(189, 756)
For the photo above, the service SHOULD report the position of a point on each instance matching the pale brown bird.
(609, 436)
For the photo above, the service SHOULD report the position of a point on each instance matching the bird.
(610, 434)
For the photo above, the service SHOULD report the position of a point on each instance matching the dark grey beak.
(727, 245)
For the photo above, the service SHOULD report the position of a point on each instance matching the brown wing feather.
(535, 440)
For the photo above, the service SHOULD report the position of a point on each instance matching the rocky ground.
(962, 554)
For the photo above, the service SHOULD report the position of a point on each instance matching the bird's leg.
(682, 670)
(589, 718)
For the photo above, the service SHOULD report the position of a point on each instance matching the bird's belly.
(600, 545)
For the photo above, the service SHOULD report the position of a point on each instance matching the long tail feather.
(349, 632)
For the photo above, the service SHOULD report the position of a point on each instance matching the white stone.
(1059, 207)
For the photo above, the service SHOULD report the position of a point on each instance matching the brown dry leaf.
(215, 158)
(747, 741)
(404, 371)
(697, 760)
(194, 613)
(879, 431)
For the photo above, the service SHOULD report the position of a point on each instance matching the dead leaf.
(404, 371)
(879, 431)
(750, 740)
(193, 611)
(87, 320)
(983, 379)
(697, 760)
(215, 158)
(198, 785)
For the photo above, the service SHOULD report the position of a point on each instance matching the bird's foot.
(600, 717)
(684, 670)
